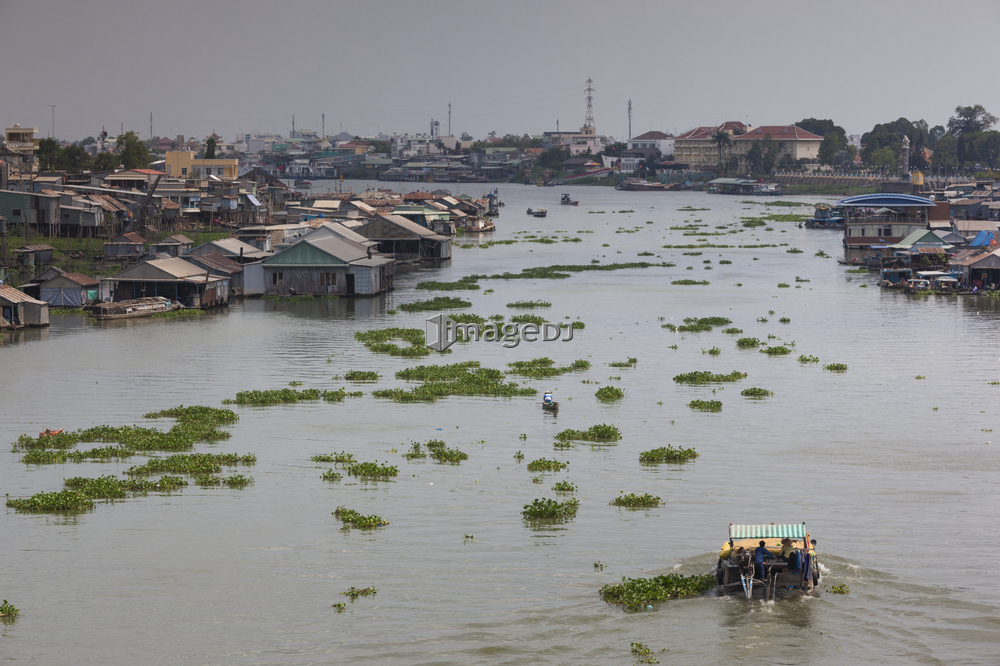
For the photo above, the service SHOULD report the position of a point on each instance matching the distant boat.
(550, 406)
(827, 217)
(566, 201)
(139, 307)
(541, 212)
(302, 182)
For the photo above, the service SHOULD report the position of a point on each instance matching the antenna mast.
(150, 124)
(449, 118)
(589, 120)
(324, 124)
(53, 120)
(630, 120)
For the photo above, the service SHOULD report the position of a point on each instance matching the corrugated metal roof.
(216, 261)
(34, 248)
(793, 531)
(163, 270)
(79, 278)
(12, 295)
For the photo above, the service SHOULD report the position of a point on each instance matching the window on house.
(184, 171)
(328, 279)
(886, 231)
(277, 279)
(16, 212)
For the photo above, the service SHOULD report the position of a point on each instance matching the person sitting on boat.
(760, 554)
(547, 398)
(786, 549)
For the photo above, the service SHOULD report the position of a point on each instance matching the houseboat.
(139, 307)
(789, 567)
(827, 217)
(640, 185)
(894, 278)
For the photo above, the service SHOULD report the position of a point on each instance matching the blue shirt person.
(547, 398)
(759, 555)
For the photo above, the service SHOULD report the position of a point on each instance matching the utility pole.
(630, 120)
(53, 120)
(324, 124)
(150, 125)
(449, 118)
(293, 126)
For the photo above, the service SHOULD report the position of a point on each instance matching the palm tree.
(722, 140)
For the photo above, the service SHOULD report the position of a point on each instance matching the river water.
(895, 476)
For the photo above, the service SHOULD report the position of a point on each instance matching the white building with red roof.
(791, 140)
(653, 139)
(696, 147)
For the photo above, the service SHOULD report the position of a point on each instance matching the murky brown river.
(895, 476)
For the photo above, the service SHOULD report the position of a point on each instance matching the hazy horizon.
(391, 67)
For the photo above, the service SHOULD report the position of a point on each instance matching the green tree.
(820, 127)
(210, 148)
(48, 154)
(76, 160)
(970, 119)
(465, 137)
(553, 158)
(615, 149)
(380, 147)
(106, 161)
(934, 135)
(833, 143)
(884, 158)
(131, 151)
(722, 141)
(944, 152)
(890, 135)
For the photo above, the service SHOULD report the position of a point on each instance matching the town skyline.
(250, 66)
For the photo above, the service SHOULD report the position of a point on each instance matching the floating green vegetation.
(529, 304)
(576, 325)
(330, 475)
(634, 501)
(379, 341)
(527, 319)
(518, 456)
(65, 501)
(725, 261)
(689, 282)
(474, 381)
(233, 481)
(564, 487)
(755, 392)
(184, 312)
(808, 359)
(666, 454)
(111, 487)
(416, 451)
(437, 303)
(340, 394)
(443, 454)
(341, 607)
(706, 405)
(863, 286)
(363, 592)
(638, 593)
(372, 471)
(8, 610)
(609, 393)
(427, 373)
(342, 458)
(694, 328)
(690, 254)
(754, 222)
(920, 377)
(786, 217)
(544, 367)
(66, 311)
(596, 433)
(732, 331)
(714, 351)
(708, 321)
(549, 508)
(361, 376)
(645, 254)
(560, 272)
(762, 320)
(641, 652)
(689, 208)
(704, 377)
(857, 270)
(464, 284)
(669, 327)
(821, 254)
(835, 367)
(783, 285)
(784, 320)
(779, 350)
(192, 463)
(544, 465)
(294, 384)
(630, 363)
(352, 518)
(691, 246)
(839, 589)
(273, 397)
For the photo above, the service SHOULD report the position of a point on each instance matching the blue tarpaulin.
(982, 239)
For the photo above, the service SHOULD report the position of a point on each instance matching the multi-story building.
(653, 139)
(22, 139)
(791, 140)
(183, 164)
(696, 147)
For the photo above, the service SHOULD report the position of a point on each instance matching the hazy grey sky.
(509, 66)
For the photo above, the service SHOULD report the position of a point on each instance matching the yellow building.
(183, 164)
(22, 139)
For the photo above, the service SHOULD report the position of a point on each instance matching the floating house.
(35, 255)
(221, 266)
(174, 278)
(405, 240)
(326, 264)
(230, 247)
(17, 309)
(130, 245)
(70, 290)
(877, 221)
(175, 245)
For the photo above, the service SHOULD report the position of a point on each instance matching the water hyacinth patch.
(351, 518)
(426, 373)
(835, 367)
(340, 394)
(111, 487)
(192, 463)
(467, 283)
(706, 405)
(785, 320)
(233, 481)
(634, 501)
(372, 471)
(704, 377)
(564, 487)
(363, 592)
(808, 359)
(748, 343)
(330, 475)
(361, 376)
(596, 433)
(544, 367)
(551, 509)
(443, 454)
(666, 454)
(544, 465)
(776, 351)
(732, 331)
(65, 501)
(273, 397)
(529, 304)
(474, 381)
(630, 363)
(436, 304)
(8, 610)
(755, 392)
(342, 458)
(689, 282)
(609, 393)
(379, 341)
(638, 593)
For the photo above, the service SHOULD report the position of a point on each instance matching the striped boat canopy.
(795, 531)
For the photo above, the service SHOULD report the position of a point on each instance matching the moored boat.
(566, 201)
(302, 182)
(827, 217)
(541, 212)
(550, 406)
(139, 307)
